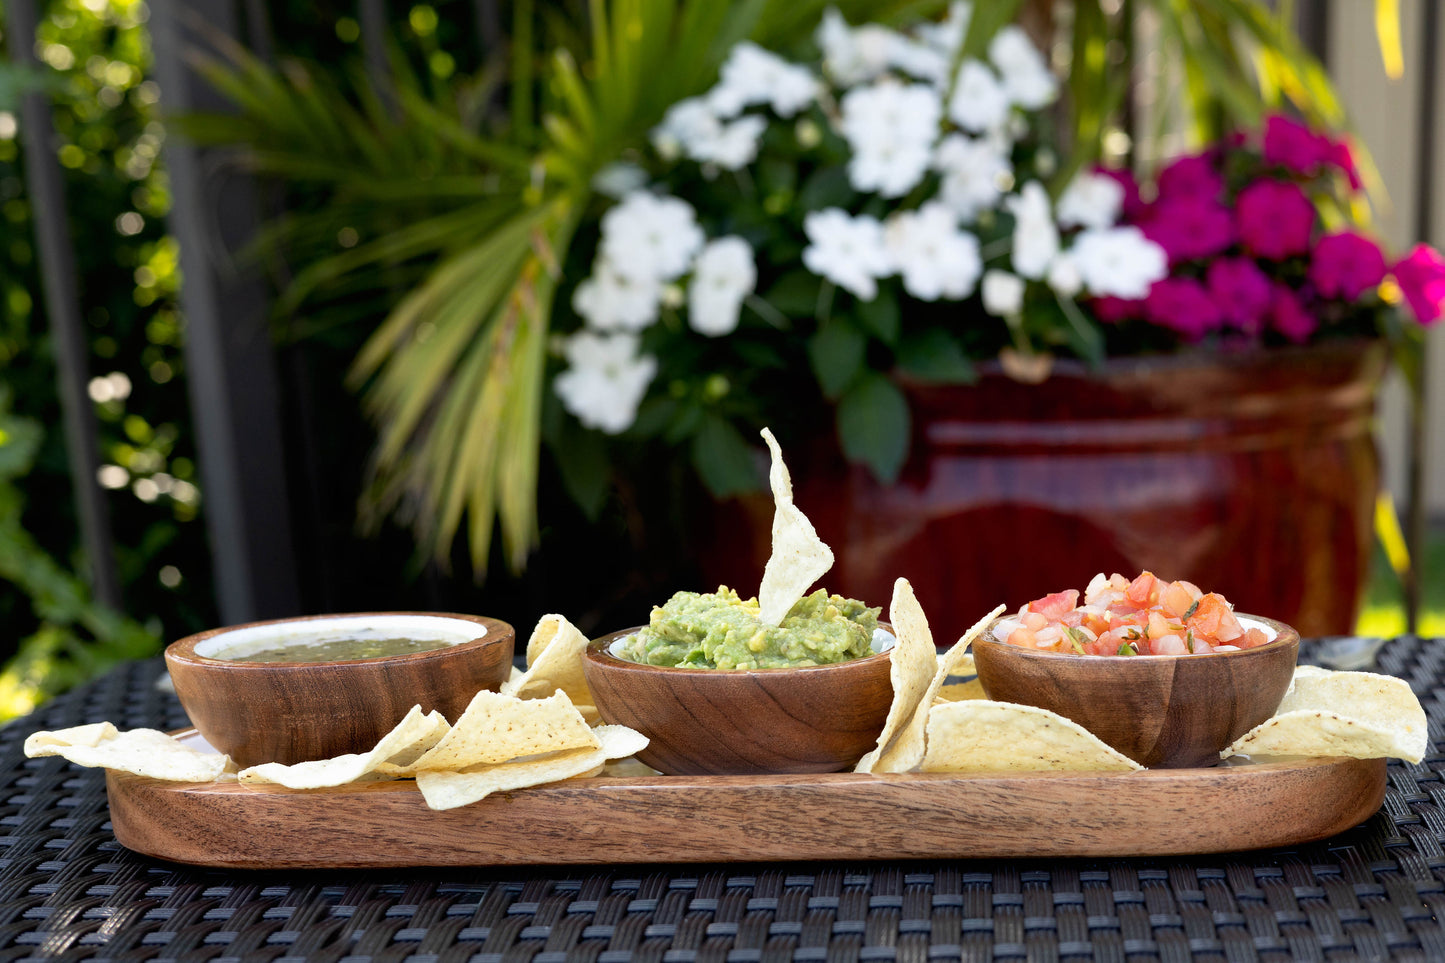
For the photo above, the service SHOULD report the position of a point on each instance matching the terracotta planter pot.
(1253, 475)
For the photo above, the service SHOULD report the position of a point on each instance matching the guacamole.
(719, 630)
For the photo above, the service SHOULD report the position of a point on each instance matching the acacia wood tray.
(675, 819)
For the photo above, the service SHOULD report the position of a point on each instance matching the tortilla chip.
(1363, 715)
(448, 790)
(908, 748)
(554, 662)
(410, 738)
(144, 752)
(914, 661)
(799, 556)
(86, 735)
(987, 736)
(496, 728)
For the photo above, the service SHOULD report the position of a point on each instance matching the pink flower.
(1346, 265)
(1191, 176)
(1342, 155)
(1133, 207)
(1189, 227)
(1242, 292)
(1289, 316)
(1275, 219)
(1183, 305)
(1112, 310)
(1421, 276)
(1294, 146)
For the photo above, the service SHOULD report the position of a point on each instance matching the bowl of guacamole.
(716, 691)
(720, 630)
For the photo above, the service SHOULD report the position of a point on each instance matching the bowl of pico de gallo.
(1164, 672)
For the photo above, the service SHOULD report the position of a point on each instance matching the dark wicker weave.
(68, 890)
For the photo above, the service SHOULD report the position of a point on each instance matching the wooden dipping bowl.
(289, 712)
(820, 718)
(1164, 711)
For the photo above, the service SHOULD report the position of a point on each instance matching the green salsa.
(719, 630)
(338, 649)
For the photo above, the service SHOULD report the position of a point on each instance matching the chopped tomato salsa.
(1119, 616)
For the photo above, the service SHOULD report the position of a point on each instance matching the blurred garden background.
(96, 71)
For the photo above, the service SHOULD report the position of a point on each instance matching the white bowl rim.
(245, 640)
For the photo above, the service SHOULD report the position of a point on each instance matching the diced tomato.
(1145, 616)
(1208, 615)
(1175, 599)
(1251, 638)
(1057, 605)
(1143, 591)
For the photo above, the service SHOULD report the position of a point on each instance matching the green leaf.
(19, 441)
(934, 355)
(873, 426)
(795, 294)
(987, 20)
(583, 462)
(882, 317)
(836, 353)
(723, 460)
(826, 187)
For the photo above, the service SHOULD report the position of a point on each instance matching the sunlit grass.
(1384, 610)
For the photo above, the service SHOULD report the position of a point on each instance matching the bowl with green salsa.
(289, 690)
(717, 691)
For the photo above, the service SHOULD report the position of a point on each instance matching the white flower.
(853, 56)
(889, 109)
(890, 168)
(605, 381)
(936, 259)
(849, 251)
(979, 102)
(1118, 261)
(1026, 76)
(1091, 200)
(891, 129)
(650, 237)
(686, 123)
(975, 174)
(609, 300)
(947, 35)
(920, 60)
(752, 75)
(1003, 293)
(722, 276)
(1035, 237)
(1064, 276)
(734, 147)
(694, 128)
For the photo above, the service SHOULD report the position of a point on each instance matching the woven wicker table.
(68, 890)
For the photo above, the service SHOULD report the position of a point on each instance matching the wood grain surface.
(670, 819)
(1159, 710)
(290, 712)
(819, 718)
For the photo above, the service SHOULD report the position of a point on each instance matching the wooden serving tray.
(671, 819)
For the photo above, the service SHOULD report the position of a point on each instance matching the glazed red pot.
(1251, 474)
